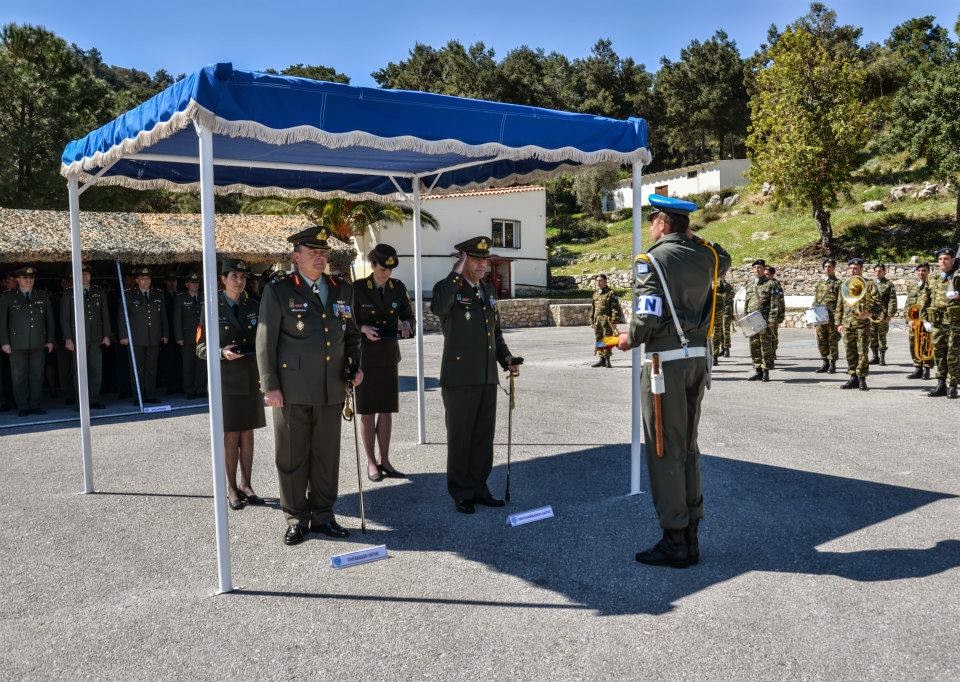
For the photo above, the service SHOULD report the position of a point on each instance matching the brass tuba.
(922, 339)
(853, 289)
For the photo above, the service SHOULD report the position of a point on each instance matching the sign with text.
(156, 408)
(529, 516)
(359, 556)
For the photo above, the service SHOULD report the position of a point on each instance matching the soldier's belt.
(677, 354)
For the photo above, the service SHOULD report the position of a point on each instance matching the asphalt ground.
(830, 547)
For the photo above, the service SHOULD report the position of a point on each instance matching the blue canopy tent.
(223, 130)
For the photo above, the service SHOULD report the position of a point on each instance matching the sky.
(359, 37)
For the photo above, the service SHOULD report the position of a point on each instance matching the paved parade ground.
(830, 547)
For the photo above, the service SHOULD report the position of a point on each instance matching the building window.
(662, 190)
(691, 175)
(506, 233)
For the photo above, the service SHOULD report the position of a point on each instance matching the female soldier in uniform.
(383, 313)
(240, 381)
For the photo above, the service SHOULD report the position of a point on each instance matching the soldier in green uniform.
(828, 339)
(941, 316)
(472, 346)
(605, 314)
(26, 329)
(723, 320)
(97, 333)
(887, 296)
(187, 316)
(854, 321)
(148, 329)
(770, 273)
(763, 297)
(915, 294)
(8, 283)
(308, 348)
(676, 274)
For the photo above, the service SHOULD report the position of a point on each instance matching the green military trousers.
(471, 418)
(26, 374)
(94, 371)
(675, 477)
(307, 448)
(761, 349)
(147, 358)
(194, 369)
(828, 340)
(601, 329)
(946, 352)
(721, 333)
(856, 340)
(878, 336)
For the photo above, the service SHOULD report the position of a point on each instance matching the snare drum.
(816, 316)
(752, 324)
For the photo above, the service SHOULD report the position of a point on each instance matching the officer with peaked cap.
(97, 333)
(674, 302)
(26, 329)
(472, 346)
(148, 330)
(187, 316)
(308, 347)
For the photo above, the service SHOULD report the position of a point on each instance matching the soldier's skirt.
(857, 343)
(946, 352)
(379, 392)
(878, 335)
(828, 340)
(243, 412)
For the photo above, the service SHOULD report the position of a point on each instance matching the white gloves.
(928, 326)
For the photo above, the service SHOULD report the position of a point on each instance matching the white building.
(514, 218)
(681, 182)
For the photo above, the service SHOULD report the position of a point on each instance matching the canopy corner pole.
(636, 416)
(418, 297)
(93, 180)
(80, 333)
(212, 331)
(433, 184)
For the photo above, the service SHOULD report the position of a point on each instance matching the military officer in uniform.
(854, 321)
(828, 339)
(941, 316)
(723, 320)
(472, 346)
(8, 283)
(149, 327)
(887, 297)
(187, 316)
(770, 272)
(26, 329)
(169, 365)
(679, 268)
(308, 348)
(763, 297)
(605, 314)
(97, 334)
(915, 294)
(384, 314)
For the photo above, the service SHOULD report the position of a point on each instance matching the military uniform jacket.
(688, 265)
(849, 316)
(385, 313)
(887, 298)
(827, 293)
(96, 315)
(238, 327)
(303, 347)
(148, 319)
(725, 296)
(23, 325)
(762, 295)
(605, 304)
(472, 339)
(915, 295)
(781, 307)
(187, 316)
(935, 307)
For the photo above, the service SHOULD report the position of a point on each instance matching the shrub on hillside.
(569, 228)
(874, 193)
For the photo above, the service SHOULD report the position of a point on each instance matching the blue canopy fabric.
(284, 135)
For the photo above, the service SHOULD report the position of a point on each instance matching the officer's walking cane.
(349, 415)
(516, 363)
(657, 389)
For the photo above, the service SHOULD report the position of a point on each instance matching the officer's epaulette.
(642, 257)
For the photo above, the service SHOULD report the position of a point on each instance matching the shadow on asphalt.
(409, 383)
(759, 518)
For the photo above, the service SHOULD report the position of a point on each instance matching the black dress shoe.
(377, 477)
(693, 542)
(391, 472)
(252, 499)
(295, 534)
(331, 529)
(465, 506)
(489, 500)
(236, 504)
(671, 550)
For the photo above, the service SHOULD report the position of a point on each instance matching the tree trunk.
(822, 216)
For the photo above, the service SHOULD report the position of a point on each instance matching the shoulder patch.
(641, 268)
(649, 305)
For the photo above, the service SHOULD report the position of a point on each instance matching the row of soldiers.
(37, 339)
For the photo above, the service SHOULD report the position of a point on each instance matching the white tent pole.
(418, 296)
(80, 333)
(212, 331)
(636, 417)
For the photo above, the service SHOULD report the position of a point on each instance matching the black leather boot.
(726, 352)
(766, 375)
(853, 383)
(926, 372)
(917, 373)
(952, 393)
(875, 358)
(671, 550)
(883, 358)
(862, 384)
(606, 362)
(833, 367)
(940, 390)
(693, 543)
(824, 367)
(602, 362)
(757, 375)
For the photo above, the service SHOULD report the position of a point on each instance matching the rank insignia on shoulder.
(649, 305)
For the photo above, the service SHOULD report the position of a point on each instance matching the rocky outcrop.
(873, 206)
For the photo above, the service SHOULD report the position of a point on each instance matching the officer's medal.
(300, 325)
(466, 315)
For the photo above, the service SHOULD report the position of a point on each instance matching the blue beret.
(671, 205)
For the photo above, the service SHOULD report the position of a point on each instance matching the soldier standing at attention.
(148, 324)
(26, 329)
(770, 273)
(187, 316)
(8, 283)
(760, 297)
(941, 316)
(605, 313)
(853, 321)
(170, 369)
(887, 296)
(915, 294)
(308, 348)
(97, 326)
(472, 346)
(723, 319)
(673, 312)
(828, 339)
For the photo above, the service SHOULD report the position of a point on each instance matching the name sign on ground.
(157, 408)
(359, 556)
(529, 516)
